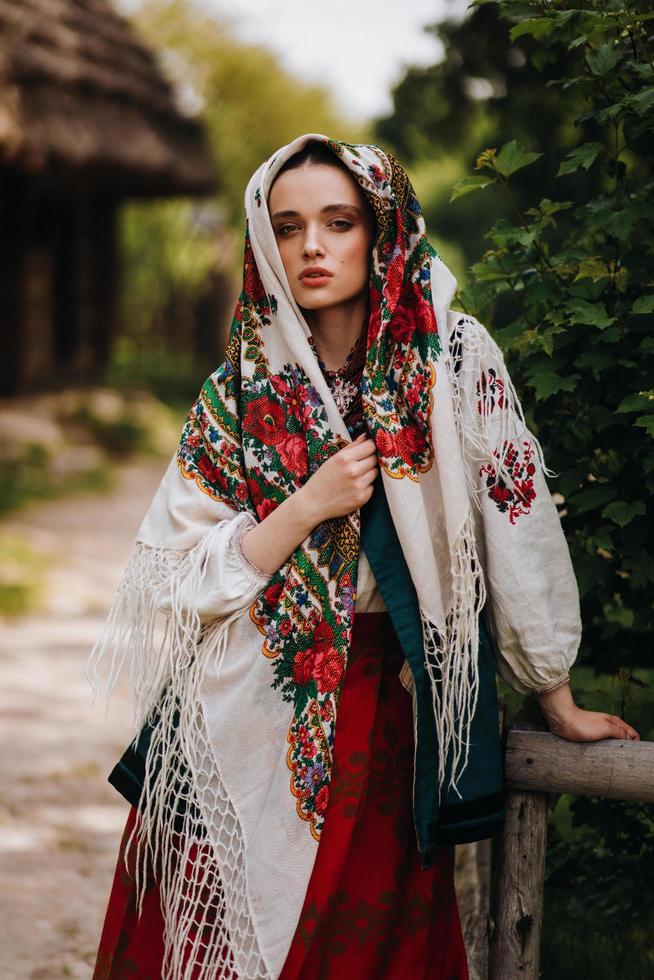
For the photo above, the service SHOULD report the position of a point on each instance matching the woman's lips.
(315, 277)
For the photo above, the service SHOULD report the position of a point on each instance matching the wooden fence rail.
(537, 763)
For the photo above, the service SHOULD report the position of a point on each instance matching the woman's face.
(324, 231)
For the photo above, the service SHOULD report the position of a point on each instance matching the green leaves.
(623, 513)
(543, 213)
(646, 422)
(591, 314)
(637, 403)
(592, 268)
(644, 304)
(642, 401)
(546, 382)
(491, 270)
(568, 290)
(538, 27)
(643, 101)
(468, 184)
(503, 233)
(602, 59)
(590, 498)
(582, 156)
(567, 286)
(513, 157)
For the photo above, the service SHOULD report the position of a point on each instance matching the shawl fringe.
(188, 832)
(451, 661)
(484, 426)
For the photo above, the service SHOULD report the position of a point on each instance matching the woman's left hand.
(566, 720)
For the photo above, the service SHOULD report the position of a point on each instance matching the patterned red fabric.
(370, 912)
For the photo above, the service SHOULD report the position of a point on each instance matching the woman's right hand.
(341, 485)
(344, 482)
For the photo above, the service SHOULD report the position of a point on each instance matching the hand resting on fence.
(567, 720)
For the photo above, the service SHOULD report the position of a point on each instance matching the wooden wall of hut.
(58, 279)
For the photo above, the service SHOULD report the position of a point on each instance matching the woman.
(361, 449)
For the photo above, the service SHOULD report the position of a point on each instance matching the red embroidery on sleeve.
(490, 391)
(518, 498)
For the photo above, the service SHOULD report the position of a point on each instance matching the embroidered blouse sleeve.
(228, 580)
(533, 600)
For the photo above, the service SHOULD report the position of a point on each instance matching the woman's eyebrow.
(328, 209)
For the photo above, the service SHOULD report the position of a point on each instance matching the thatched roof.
(82, 98)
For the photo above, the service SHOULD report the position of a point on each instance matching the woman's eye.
(341, 223)
(285, 229)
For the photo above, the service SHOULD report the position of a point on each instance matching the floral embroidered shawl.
(237, 784)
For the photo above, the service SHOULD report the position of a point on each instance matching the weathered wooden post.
(517, 887)
(537, 763)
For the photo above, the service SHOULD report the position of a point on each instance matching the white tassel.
(451, 660)
(187, 833)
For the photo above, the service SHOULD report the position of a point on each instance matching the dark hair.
(319, 153)
(313, 152)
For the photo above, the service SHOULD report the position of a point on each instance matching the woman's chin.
(324, 299)
(317, 302)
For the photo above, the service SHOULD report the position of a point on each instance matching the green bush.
(573, 286)
(569, 285)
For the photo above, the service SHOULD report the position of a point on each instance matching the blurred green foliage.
(488, 89)
(248, 102)
(182, 259)
(26, 478)
(87, 432)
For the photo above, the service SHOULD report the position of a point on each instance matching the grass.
(27, 479)
(21, 576)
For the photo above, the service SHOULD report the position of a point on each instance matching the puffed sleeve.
(532, 595)
(228, 582)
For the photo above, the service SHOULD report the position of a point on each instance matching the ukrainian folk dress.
(252, 673)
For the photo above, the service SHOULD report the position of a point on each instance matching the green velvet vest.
(479, 810)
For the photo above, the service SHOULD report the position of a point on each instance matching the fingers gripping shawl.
(238, 774)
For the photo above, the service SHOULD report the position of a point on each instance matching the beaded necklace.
(344, 384)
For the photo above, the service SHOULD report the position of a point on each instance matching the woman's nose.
(312, 244)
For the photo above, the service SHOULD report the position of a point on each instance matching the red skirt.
(371, 912)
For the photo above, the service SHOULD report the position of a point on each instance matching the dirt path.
(60, 821)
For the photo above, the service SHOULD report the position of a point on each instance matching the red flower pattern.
(264, 420)
(385, 443)
(245, 411)
(322, 799)
(293, 453)
(328, 670)
(211, 472)
(517, 498)
(322, 662)
(410, 442)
